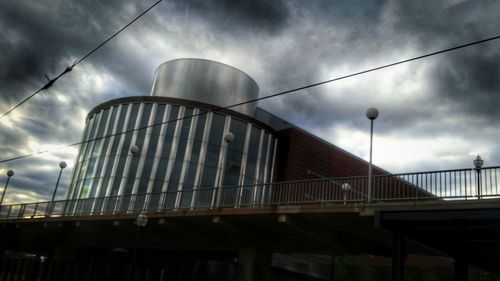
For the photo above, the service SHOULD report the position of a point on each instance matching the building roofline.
(169, 100)
(291, 125)
(214, 62)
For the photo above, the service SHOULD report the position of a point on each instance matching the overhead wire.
(50, 82)
(268, 96)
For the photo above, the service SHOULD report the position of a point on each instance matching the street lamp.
(372, 114)
(345, 188)
(62, 165)
(229, 137)
(478, 164)
(10, 173)
(141, 220)
(134, 149)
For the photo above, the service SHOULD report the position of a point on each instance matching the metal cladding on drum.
(206, 81)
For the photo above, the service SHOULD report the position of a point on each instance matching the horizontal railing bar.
(461, 184)
(438, 171)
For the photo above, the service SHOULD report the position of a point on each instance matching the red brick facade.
(302, 155)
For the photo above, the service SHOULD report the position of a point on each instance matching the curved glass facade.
(179, 162)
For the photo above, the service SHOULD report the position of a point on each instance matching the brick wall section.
(300, 152)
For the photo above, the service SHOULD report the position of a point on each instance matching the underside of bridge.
(470, 236)
(268, 243)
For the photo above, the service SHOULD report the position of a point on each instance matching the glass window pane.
(167, 145)
(121, 121)
(112, 120)
(133, 116)
(271, 154)
(174, 178)
(146, 174)
(253, 150)
(217, 129)
(121, 162)
(208, 180)
(131, 173)
(181, 150)
(263, 157)
(213, 149)
(195, 150)
(134, 163)
(200, 126)
(104, 187)
(155, 132)
(191, 174)
(160, 175)
(94, 120)
(239, 130)
(103, 122)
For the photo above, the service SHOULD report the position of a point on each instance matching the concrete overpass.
(68, 240)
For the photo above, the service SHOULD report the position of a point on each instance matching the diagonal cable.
(50, 82)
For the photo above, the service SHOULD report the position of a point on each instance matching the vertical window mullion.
(201, 159)
(173, 150)
(187, 156)
(121, 190)
(118, 149)
(88, 155)
(143, 150)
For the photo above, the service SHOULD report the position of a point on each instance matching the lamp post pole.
(216, 197)
(346, 187)
(372, 114)
(141, 222)
(50, 210)
(62, 165)
(134, 149)
(478, 164)
(10, 173)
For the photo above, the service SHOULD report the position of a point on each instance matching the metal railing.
(436, 185)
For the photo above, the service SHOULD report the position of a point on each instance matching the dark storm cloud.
(323, 34)
(465, 80)
(439, 23)
(470, 81)
(281, 44)
(45, 37)
(259, 16)
(31, 45)
(469, 78)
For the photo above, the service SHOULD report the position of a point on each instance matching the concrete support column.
(461, 269)
(246, 264)
(398, 256)
(332, 269)
(263, 266)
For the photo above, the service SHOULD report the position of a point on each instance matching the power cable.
(268, 96)
(50, 82)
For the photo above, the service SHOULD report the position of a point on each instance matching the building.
(186, 140)
(179, 185)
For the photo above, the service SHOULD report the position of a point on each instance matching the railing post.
(478, 172)
(147, 198)
(21, 211)
(8, 212)
(161, 196)
(34, 211)
(47, 210)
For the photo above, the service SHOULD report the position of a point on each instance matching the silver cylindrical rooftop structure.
(206, 81)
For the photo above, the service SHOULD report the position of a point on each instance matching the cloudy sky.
(436, 113)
